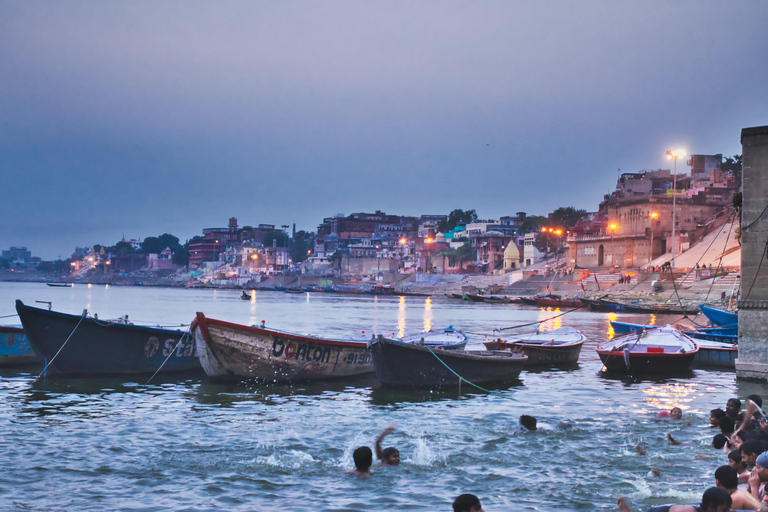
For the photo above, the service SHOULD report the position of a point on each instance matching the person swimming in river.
(714, 499)
(389, 456)
(530, 423)
(363, 457)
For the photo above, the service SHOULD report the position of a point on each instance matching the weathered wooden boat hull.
(96, 347)
(15, 348)
(714, 354)
(238, 352)
(404, 365)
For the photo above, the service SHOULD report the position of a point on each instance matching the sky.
(148, 117)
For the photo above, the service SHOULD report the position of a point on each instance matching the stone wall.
(752, 363)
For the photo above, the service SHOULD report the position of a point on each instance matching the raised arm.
(381, 436)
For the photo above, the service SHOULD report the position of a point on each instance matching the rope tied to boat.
(48, 363)
(178, 343)
(461, 379)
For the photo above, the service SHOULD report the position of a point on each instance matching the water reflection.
(427, 314)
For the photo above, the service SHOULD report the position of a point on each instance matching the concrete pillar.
(752, 363)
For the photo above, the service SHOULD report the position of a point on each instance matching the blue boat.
(716, 354)
(722, 338)
(627, 328)
(720, 318)
(82, 345)
(14, 347)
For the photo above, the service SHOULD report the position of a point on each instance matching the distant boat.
(245, 295)
(555, 347)
(660, 351)
(238, 352)
(447, 339)
(720, 318)
(646, 308)
(15, 348)
(401, 364)
(551, 302)
(82, 345)
(60, 285)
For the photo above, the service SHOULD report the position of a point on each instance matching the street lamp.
(653, 216)
(674, 155)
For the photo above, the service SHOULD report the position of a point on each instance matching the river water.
(187, 444)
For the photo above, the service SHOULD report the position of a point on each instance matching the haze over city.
(140, 118)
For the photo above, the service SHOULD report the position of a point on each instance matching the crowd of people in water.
(740, 482)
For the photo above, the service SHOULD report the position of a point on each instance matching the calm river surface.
(188, 444)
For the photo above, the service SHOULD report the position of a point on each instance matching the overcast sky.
(139, 118)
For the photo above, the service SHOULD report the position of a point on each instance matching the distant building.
(17, 254)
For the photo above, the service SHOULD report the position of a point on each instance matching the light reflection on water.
(185, 443)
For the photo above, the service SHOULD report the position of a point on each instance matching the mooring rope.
(48, 363)
(169, 355)
(9, 316)
(461, 379)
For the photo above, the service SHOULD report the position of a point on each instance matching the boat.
(447, 339)
(720, 330)
(551, 302)
(401, 364)
(555, 347)
(720, 318)
(628, 328)
(474, 297)
(14, 347)
(236, 352)
(84, 345)
(716, 354)
(605, 305)
(60, 285)
(722, 338)
(245, 296)
(660, 351)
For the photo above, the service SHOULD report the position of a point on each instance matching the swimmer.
(732, 407)
(363, 458)
(757, 479)
(530, 423)
(389, 456)
(713, 500)
(467, 503)
(714, 417)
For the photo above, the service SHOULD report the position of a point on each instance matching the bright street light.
(674, 155)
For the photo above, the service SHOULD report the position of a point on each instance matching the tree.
(532, 224)
(301, 246)
(157, 244)
(567, 217)
(280, 239)
(457, 218)
(732, 165)
(460, 255)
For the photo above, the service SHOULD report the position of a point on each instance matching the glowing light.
(254, 256)
(613, 226)
(429, 240)
(677, 153)
(403, 241)
(654, 215)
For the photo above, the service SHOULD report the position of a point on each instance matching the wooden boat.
(721, 338)
(245, 296)
(81, 345)
(14, 347)
(720, 318)
(731, 331)
(60, 285)
(663, 350)
(628, 307)
(717, 354)
(237, 352)
(628, 328)
(447, 339)
(474, 297)
(555, 347)
(401, 364)
(550, 302)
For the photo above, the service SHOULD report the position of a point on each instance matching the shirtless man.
(727, 478)
(758, 477)
(713, 500)
(363, 458)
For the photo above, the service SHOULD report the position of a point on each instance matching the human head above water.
(363, 458)
(732, 407)
(716, 500)
(467, 503)
(676, 413)
(528, 422)
(728, 477)
(390, 456)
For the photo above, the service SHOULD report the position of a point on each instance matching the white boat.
(557, 346)
(446, 339)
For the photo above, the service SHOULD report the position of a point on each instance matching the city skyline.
(134, 119)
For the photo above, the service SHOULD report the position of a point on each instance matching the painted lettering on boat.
(185, 348)
(301, 351)
(355, 358)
